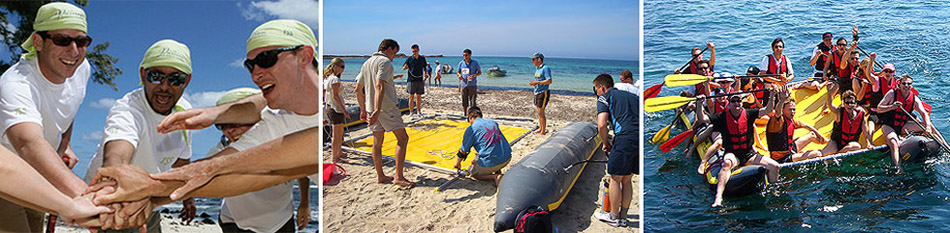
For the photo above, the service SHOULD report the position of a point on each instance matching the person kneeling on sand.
(494, 152)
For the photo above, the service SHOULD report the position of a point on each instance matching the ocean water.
(822, 198)
(571, 75)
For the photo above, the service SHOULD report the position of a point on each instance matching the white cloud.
(104, 103)
(303, 10)
(203, 99)
(93, 136)
(237, 63)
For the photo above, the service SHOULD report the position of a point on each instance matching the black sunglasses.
(850, 102)
(779, 46)
(64, 40)
(175, 79)
(267, 58)
(735, 100)
(908, 83)
(704, 67)
(842, 44)
(889, 71)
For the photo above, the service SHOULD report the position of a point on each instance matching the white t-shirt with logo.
(268, 209)
(133, 120)
(27, 96)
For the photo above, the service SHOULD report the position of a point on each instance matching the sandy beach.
(357, 204)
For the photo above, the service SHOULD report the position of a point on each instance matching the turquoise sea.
(823, 198)
(571, 75)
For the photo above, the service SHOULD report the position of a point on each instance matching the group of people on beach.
(868, 99)
(143, 160)
(617, 105)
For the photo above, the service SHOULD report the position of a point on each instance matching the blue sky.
(579, 29)
(215, 31)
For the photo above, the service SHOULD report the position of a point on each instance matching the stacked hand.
(128, 189)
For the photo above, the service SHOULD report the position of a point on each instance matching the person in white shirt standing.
(40, 97)
(129, 136)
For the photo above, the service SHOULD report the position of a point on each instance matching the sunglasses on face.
(908, 83)
(267, 58)
(704, 67)
(842, 44)
(175, 79)
(850, 102)
(341, 66)
(778, 46)
(735, 100)
(889, 71)
(64, 40)
(854, 58)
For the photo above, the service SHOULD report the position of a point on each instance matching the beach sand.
(170, 223)
(357, 204)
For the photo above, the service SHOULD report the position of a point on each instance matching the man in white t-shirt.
(626, 83)
(129, 136)
(39, 98)
(376, 95)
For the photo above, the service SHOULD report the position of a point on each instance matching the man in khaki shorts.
(376, 81)
(494, 152)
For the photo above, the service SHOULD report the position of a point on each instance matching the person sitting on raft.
(780, 133)
(697, 58)
(737, 126)
(894, 109)
(700, 88)
(850, 124)
(777, 63)
(844, 68)
(758, 83)
(494, 152)
(873, 92)
(714, 106)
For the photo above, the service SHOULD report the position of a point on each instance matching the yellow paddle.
(671, 102)
(678, 80)
(664, 133)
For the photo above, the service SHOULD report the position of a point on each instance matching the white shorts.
(388, 121)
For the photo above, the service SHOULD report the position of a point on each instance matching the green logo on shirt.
(20, 111)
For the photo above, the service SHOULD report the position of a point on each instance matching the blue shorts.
(623, 158)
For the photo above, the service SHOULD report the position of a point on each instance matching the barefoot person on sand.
(494, 152)
(542, 79)
(41, 95)
(376, 82)
(622, 109)
(336, 108)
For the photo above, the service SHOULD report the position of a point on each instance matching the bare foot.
(403, 182)
(702, 168)
(540, 132)
(718, 202)
(383, 179)
(900, 171)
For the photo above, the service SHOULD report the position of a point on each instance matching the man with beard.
(129, 136)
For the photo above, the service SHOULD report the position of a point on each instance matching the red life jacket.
(736, 137)
(720, 103)
(835, 61)
(693, 68)
(847, 72)
(782, 140)
(700, 89)
(848, 129)
(777, 68)
(872, 98)
(898, 118)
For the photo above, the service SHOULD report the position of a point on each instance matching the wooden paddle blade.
(665, 103)
(679, 80)
(662, 135)
(675, 141)
(652, 91)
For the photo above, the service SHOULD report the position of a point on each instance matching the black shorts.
(623, 158)
(416, 87)
(744, 156)
(335, 117)
(541, 99)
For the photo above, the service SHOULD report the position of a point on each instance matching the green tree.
(103, 69)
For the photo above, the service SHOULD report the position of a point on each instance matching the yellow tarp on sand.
(433, 142)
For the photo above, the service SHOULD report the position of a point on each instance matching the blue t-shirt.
(467, 70)
(541, 74)
(417, 68)
(493, 149)
(624, 110)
